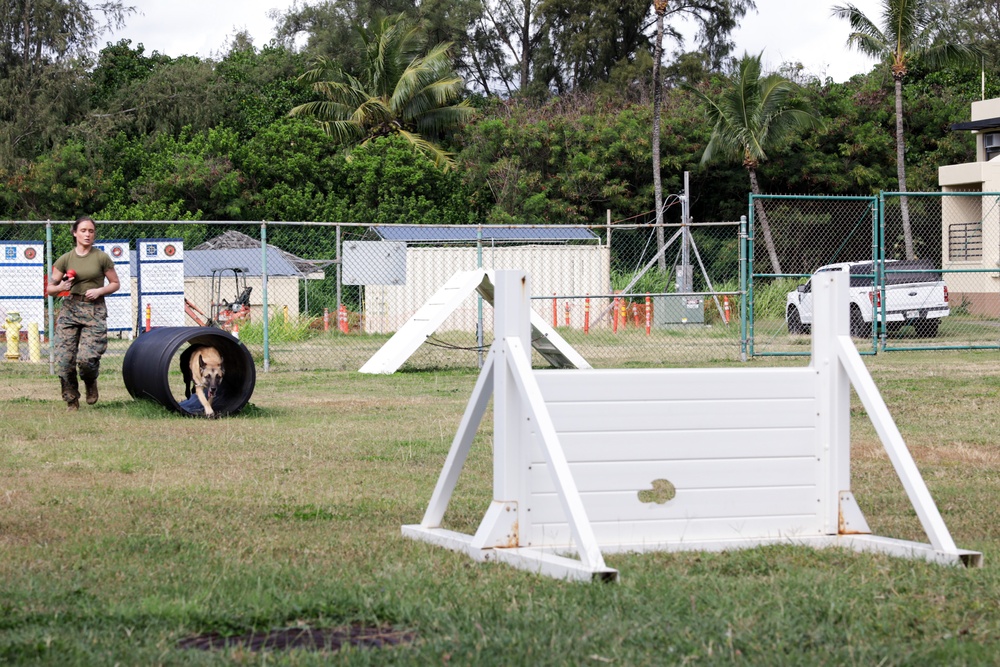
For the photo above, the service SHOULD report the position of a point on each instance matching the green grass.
(125, 529)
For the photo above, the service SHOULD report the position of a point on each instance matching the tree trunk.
(657, 181)
(762, 216)
(904, 206)
(525, 46)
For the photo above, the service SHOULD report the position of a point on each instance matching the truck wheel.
(927, 328)
(795, 327)
(859, 328)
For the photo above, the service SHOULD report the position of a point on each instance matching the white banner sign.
(22, 282)
(160, 265)
(120, 311)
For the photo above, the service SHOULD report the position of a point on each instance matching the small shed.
(401, 266)
(286, 273)
(234, 250)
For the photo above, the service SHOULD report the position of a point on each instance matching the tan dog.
(206, 369)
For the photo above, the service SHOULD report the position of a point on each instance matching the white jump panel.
(627, 433)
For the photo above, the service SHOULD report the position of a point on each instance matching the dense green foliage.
(124, 134)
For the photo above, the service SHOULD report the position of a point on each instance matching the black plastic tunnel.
(149, 358)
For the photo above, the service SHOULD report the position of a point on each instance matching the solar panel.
(469, 233)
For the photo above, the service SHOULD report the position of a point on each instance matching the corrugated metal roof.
(469, 233)
(201, 263)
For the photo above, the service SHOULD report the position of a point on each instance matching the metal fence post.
(879, 256)
(263, 280)
(51, 301)
(479, 297)
(743, 287)
(340, 265)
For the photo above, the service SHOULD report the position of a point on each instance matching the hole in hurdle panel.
(663, 491)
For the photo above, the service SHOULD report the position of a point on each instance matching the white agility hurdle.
(587, 462)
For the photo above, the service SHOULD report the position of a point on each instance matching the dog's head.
(211, 374)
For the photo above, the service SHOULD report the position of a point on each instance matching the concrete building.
(970, 225)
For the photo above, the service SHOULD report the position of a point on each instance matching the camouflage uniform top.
(90, 269)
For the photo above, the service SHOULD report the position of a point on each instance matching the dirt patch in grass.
(309, 639)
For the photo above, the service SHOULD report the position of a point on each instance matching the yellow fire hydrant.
(12, 328)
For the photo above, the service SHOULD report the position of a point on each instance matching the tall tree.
(37, 32)
(42, 80)
(910, 30)
(976, 22)
(752, 114)
(505, 40)
(402, 88)
(660, 7)
(591, 39)
(523, 45)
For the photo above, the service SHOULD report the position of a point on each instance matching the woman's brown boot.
(91, 386)
(70, 392)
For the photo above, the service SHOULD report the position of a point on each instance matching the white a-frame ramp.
(545, 339)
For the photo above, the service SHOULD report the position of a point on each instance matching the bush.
(279, 330)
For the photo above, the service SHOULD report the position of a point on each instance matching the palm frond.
(752, 113)
(399, 88)
(441, 158)
(866, 36)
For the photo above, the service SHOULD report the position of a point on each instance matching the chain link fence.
(925, 269)
(314, 296)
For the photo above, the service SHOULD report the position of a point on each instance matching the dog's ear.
(201, 362)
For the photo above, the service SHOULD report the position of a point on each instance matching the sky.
(785, 30)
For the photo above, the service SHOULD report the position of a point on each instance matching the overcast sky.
(785, 30)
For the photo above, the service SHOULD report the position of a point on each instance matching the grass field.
(126, 530)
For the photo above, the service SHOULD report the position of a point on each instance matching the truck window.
(916, 271)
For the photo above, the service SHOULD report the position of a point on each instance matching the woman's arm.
(110, 288)
(57, 283)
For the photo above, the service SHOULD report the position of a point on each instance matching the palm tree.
(752, 114)
(401, 90)
(910, 31)
(660, 6)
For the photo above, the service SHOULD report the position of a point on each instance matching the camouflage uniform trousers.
(81, 338)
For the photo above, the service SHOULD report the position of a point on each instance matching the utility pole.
(685, 283)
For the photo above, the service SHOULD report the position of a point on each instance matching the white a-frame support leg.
(520, 418)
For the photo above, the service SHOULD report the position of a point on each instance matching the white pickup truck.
(920, 299)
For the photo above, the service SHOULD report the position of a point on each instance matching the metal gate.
(789, 238)
(954, 235)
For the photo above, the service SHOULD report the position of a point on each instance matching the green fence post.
(743, 288)
(263, 279)
(52, 315)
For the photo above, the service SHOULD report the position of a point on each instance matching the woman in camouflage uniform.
(81, 334)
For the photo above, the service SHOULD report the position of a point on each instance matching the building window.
(965, 241)
(991, 143)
